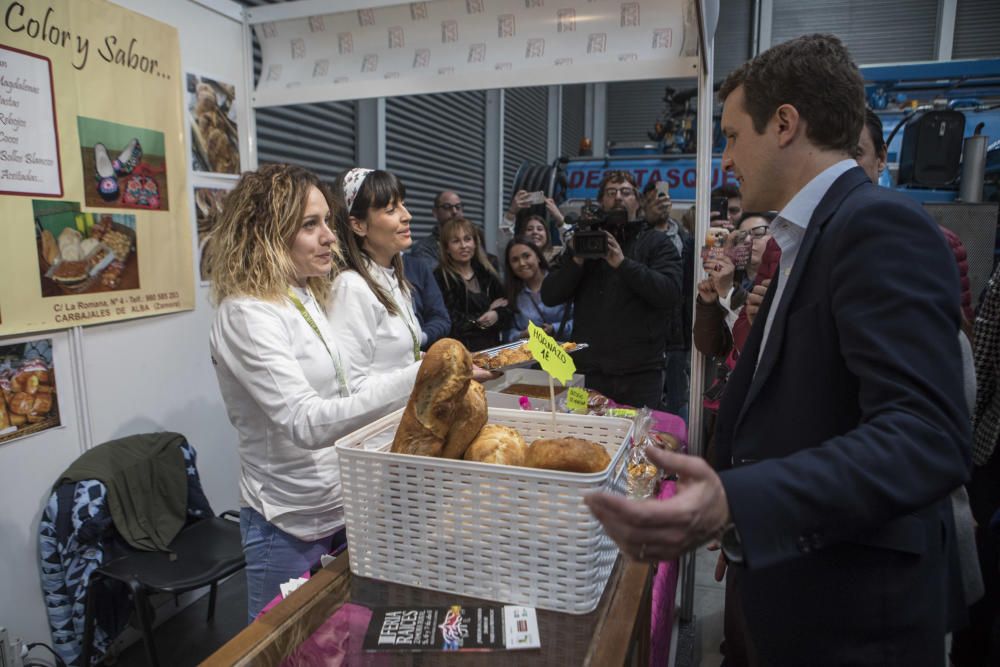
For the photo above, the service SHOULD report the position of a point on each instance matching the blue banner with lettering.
(583, 175)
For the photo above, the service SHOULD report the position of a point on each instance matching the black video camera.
(590, 240)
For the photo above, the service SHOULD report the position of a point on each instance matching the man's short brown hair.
(615, 176)
(816, 75)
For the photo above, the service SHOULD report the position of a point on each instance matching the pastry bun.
(568, 455)
(498, 444)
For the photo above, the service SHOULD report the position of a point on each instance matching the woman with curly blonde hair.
(281, 373)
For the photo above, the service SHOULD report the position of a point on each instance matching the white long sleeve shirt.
(373, 341)
(280, 387)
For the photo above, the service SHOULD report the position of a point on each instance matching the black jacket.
(627, 315)
(465, 307)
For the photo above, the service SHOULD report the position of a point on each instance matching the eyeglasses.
(759, 231)
(450, 207)
(614, 192)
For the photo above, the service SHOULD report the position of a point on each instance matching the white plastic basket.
(505, 533)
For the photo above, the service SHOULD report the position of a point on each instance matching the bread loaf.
(50, 249)
(469, 419)
(498, 444)
(22, 403)
(568, 455)
(442, 381)
(413, 438)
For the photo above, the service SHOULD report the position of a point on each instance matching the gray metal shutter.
(319, 137)
(977, 24)
(876, 31)
(573, 98)
(732, 37)
(635, 106)
(525, 132)
(434, 143)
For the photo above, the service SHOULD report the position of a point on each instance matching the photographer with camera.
(625, 284)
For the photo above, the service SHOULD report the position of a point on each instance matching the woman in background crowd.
(281, 372)
(371, 309)
(471, 287)
(534, 228)
(521, 210)
(526, 269)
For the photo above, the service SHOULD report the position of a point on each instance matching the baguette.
(442, 381)
(470, 417)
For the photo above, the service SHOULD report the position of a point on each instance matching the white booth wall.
(150, 374)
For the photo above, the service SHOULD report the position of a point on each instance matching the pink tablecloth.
(665, 578)
(664, 593)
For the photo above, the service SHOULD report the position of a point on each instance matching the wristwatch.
(732, 545)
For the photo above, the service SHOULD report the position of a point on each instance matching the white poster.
(445, 45)
(29, 144)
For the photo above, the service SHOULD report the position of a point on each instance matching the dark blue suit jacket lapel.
(828, 205)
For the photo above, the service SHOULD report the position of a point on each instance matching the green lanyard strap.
(410, 325)
(341, 379)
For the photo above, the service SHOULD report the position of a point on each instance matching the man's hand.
(706, 291)
(615, 256)
(659, 530)
(755, 298)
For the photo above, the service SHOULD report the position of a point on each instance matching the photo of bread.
(215, 139)
(84, 253)
(28, 397)
(208, 205)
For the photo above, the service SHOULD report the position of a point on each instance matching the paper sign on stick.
(549, 354)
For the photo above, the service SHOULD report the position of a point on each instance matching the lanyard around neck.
(338, 367)
(411, 325)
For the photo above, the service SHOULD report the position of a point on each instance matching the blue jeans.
(273, 557)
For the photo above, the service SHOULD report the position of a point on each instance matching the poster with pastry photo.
(82, 252)
(122, 163)
(28, 401)
(207, 205)
(215, 138)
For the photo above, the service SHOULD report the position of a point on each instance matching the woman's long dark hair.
(521, 223)
(378, 190)
(513, 284)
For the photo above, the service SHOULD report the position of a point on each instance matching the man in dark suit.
(842, 429)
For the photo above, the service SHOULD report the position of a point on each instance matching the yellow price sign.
(576, 400)
(549, 354)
